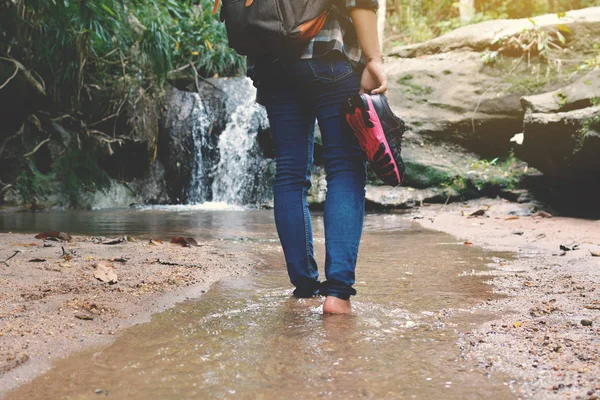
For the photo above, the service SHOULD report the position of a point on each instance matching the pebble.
(586, 322)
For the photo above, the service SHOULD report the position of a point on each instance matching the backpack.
(261, 27)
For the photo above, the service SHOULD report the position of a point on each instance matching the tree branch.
(32, 152)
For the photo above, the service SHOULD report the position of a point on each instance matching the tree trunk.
(467, 10)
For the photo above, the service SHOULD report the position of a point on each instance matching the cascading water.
(232, 170)
(201, 128)
(239, 175)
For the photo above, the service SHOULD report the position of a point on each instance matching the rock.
(580, 94)
(454, 97)
(192, 145)
(587, 322)
(478, 37)
(444, 90)
(380, 197)
(563, 144)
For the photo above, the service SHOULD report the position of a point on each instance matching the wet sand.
(547, 331)
(50, 309)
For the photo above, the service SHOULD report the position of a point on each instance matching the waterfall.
(229, 167)
(201, 129)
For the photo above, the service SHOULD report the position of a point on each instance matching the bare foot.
(335, 305)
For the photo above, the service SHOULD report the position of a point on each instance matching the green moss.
(422, 176)
(561, 98)
(413, 88)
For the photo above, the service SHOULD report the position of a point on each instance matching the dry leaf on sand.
(105, 272)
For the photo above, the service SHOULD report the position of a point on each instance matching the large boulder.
(562, 130)
(485, 35)
(445, 90)
(454, 97)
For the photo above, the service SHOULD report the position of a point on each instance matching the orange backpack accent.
(259, 27)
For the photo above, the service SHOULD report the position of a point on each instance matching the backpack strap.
(218, 3)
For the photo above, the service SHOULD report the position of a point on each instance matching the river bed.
(248, 338)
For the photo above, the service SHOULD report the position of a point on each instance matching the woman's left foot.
(335, 305)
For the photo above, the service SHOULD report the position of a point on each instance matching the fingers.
(382, 89)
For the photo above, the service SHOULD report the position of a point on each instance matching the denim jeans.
(295, 92)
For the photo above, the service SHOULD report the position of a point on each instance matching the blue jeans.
(295, 92)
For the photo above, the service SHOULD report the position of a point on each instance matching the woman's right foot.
(335, 305)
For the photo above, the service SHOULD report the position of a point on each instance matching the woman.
(312, 83)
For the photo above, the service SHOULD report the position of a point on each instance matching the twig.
(32, 152)
(103, 119)
(8, 139)
(39, 87)
(11, 78)
(197, 75)
(172, 264)
(6, 261)
(118, 113)
(489, 89)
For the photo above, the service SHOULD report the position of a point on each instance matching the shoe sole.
(374, 140)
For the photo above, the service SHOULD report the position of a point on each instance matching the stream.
(248, 338)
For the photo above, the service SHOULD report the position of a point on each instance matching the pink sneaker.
(379, 132)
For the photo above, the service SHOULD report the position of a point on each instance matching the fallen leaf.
(542, 214)
(467, 243)
(593, 307)
(65, 265)
(155, 242)
(185, 242)
(520, 233)
(130, 239)
(517, 324)
(569, 247)
(105, 272)
(595, 253)
(37, 260)
(86, 317)
(511, 218)
(120, 259)
(477, 213)
(115, 241)
(54, 235)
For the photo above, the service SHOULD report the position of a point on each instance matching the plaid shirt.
(338, 33)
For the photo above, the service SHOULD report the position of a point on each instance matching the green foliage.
(33, 187)
(77, 171)
(72, 45)
(413, 21)
(590, 124)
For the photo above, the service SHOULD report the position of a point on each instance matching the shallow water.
(247, 338)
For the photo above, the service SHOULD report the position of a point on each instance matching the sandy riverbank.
(54, 307)
(547, 334)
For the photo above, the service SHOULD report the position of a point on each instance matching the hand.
(374, 79)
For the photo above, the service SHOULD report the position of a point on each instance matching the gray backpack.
(260, 27)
